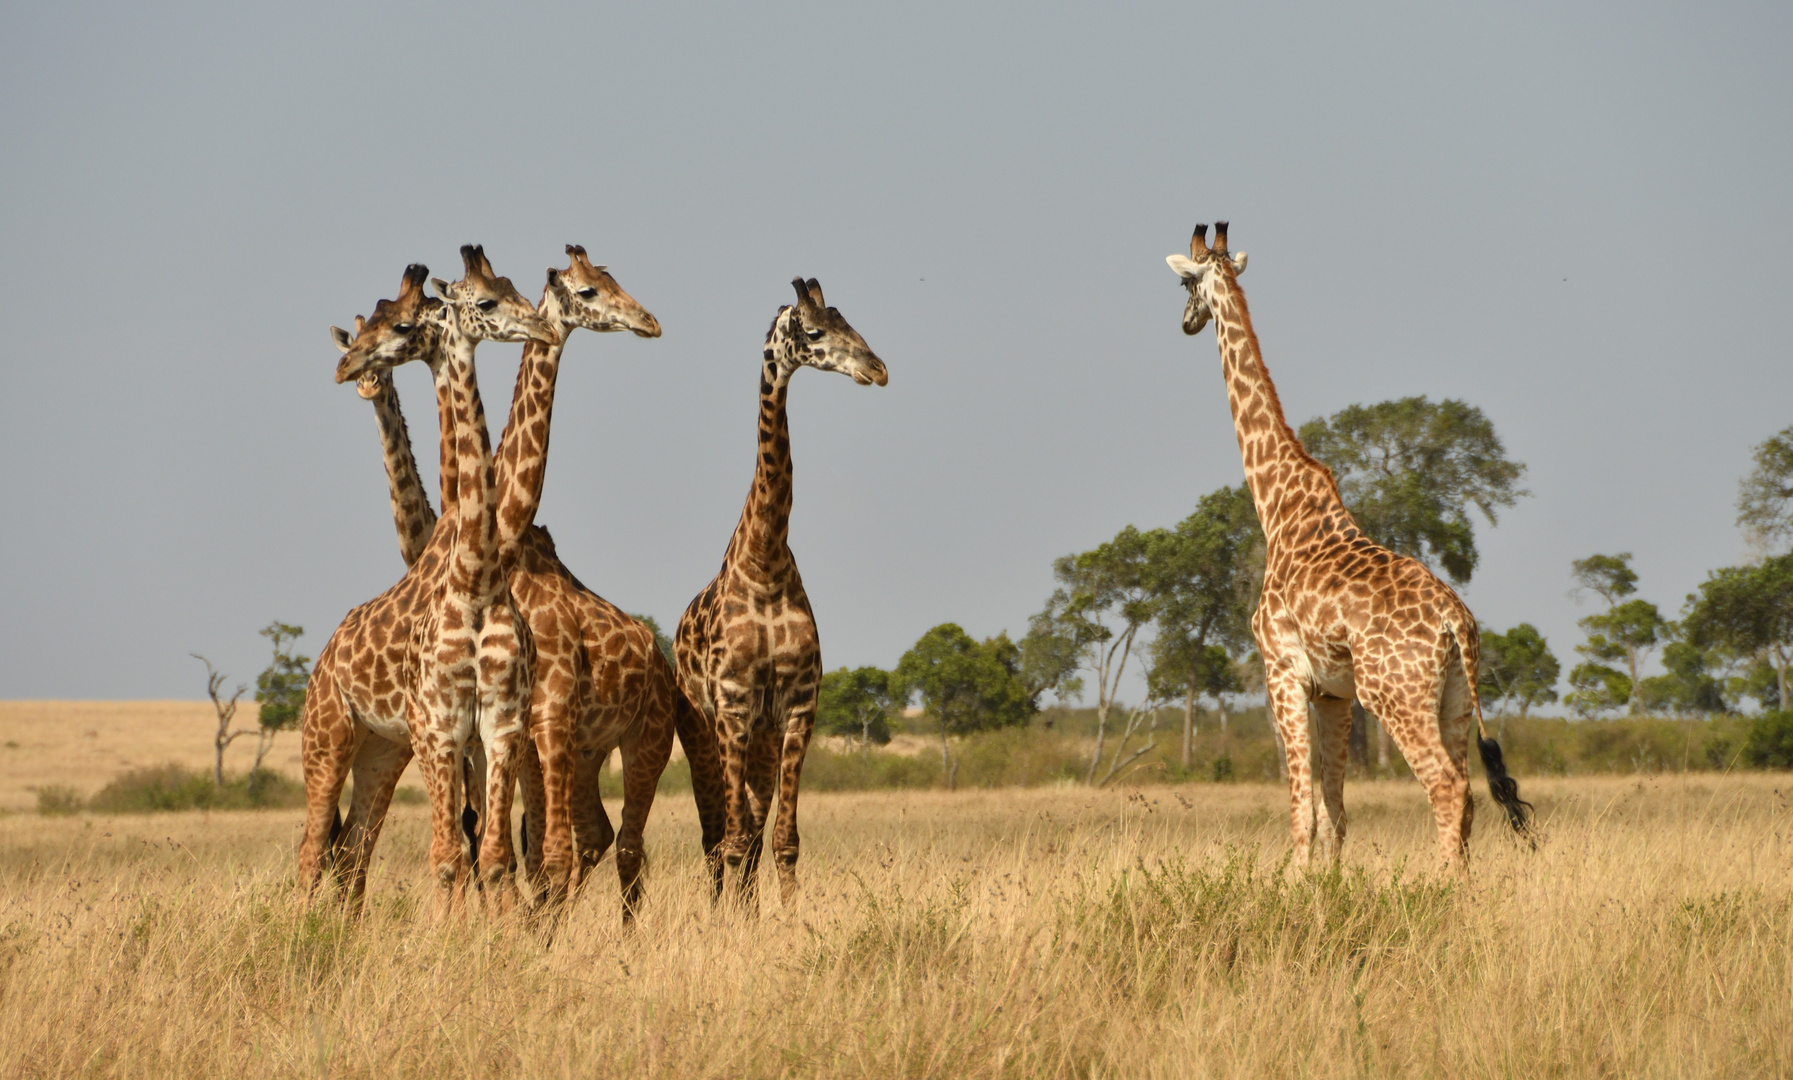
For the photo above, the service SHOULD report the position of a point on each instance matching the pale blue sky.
(1574, 218)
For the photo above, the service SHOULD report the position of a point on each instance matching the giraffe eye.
(587, 293)
(404, 328)
(814, 335)
(486, 305)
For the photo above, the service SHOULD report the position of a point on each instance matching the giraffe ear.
(1186, 268)
(553, 278)
(443, 289)
(341, 337)
(1238, 263)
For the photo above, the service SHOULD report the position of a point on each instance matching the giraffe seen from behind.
(748, 653)
(1340, 616)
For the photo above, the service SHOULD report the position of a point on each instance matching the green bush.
(1770, 741)
(176, 787)
(58, 800)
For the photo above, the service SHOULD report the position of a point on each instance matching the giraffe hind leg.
(1333, 734)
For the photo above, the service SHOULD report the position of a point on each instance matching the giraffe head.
(399, 331)
(587, 296)
(1205, 272)
(486, 307)
(370, 382)
(813, 334)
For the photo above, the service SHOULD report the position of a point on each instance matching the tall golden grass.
(1044, 932)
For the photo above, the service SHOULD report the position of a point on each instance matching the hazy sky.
(1574, 219)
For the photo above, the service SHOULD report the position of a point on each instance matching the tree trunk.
(1381, 743)
(1780, 676)
(1220, 707)
(264, 742)
(218, 744)
(1101, 730)
(1359, 742)
(1633, 703)
(946, 761)
(1188, 727)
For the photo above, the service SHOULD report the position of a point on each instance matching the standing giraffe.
(454, 650)
(1340, 616)
(600, 680)
(748, 654)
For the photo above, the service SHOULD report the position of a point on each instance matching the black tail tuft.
(1506, 790)
(335, 826)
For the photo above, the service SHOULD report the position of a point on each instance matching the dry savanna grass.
(1022, 933)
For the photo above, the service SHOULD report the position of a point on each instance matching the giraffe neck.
(522, 463)
(1289, 488)
(760, 548)
(411, 512)
(473, 566)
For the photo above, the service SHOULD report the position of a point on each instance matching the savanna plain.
(1048, 931)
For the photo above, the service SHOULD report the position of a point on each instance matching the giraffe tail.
(1501, 786)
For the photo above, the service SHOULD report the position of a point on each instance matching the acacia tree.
(964, 685)
(1106, 596)
(1518, 667)
(1205, 574)
(1627, 631)
(1410, 470)
(1765, 496)
(1749, 611)
(280, 688)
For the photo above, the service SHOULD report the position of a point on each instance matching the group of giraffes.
(498, 669)
(491, 662)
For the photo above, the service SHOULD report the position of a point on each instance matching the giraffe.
(443, 652)
(747, 650)
(1340, 616)
(600, 680)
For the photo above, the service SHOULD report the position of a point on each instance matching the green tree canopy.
(1765, 498)
(857, 703)
(964, 685)
(1206, 574)
(1749, 611)
(1409, 471)
(280, 688)
(1518, 668)
(1688, 684)
(661, 641)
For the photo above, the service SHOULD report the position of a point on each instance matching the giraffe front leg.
(548, 799)
(592, 833)
(441, 764)
(1332, 718)
(761, 779)
(732, 721)
(328, 747)
(645, 753)
(1287, 695)
(785, 842)
(503, 734)
(378, 766)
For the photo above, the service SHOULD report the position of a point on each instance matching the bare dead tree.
(227, 711)
(1146, 710)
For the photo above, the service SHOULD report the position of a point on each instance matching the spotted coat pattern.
(1340, 617)
(747, 649)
